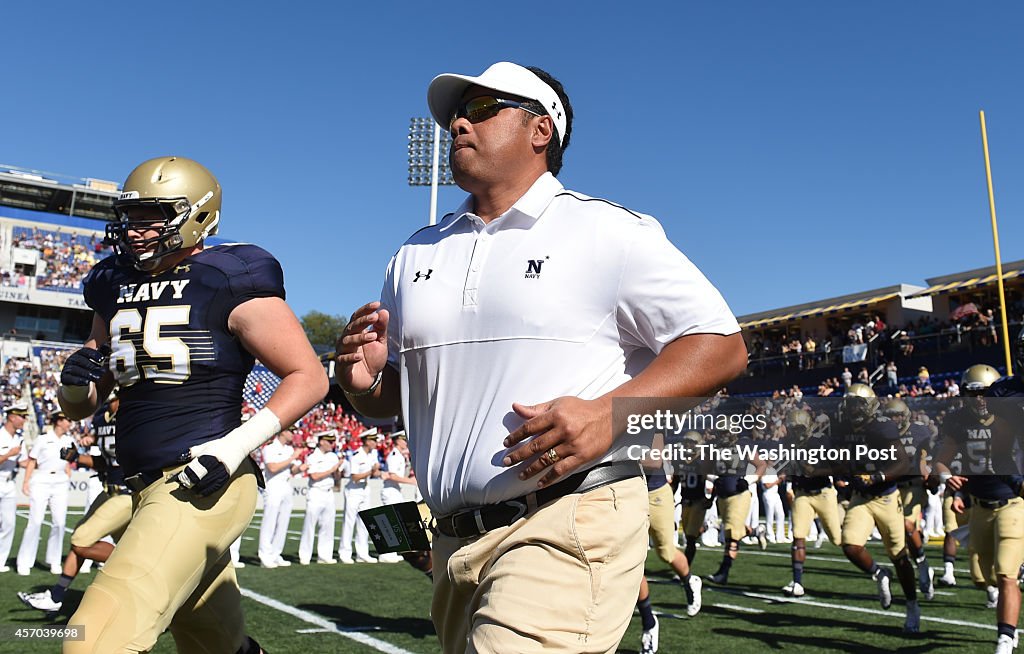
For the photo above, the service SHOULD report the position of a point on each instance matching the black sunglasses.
(483, 107)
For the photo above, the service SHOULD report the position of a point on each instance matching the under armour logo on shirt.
(422, 275)
(554, 107)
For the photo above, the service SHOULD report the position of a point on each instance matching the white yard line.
(324, 623)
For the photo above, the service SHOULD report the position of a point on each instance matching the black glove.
(69, 454)
(216, 477)
(84, 366)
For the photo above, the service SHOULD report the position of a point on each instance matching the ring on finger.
(553, 456)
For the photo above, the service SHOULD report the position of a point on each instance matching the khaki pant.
(108, 516)
(825, 506)
(563, 579)
(866, 513)
(733, 512)
(997, 541)
(171, 568)
(662, 507)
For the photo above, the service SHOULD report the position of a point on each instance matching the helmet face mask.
(859, 404)
(898, 411)
(167, 204)
(974, 382)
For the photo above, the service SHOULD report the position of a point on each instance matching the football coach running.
(503, 334)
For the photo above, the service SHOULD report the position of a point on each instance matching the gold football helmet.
(977, 378)
(859, 404)
(799, 424)
(898, 411)
(186, 198)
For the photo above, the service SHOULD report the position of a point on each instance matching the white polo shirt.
(562, 295)
(319, 461)
(277, 452)
(46, 452)
(357, 464)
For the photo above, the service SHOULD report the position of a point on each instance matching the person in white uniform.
(362, 465)
(320, 466)
(280, 463)
(396, 474)
(10, 449)
(46, 484)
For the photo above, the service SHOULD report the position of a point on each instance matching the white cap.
(446, 90)
(369, 433)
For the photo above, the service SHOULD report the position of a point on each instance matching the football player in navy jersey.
(916, 440)
(177, 326)
(690, 475)
(985, 432)
(813, 494)
(875, 501)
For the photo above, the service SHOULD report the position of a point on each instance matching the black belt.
(476, 522)
(990, 504)
(817, 491)
(139, 481)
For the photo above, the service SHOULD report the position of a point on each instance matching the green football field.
(384, 607)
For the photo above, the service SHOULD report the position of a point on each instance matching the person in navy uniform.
(986, 432)
(876, 500)
(177, 326)
(916, 440)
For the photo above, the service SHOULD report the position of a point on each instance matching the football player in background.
(108, 514)
(177, 325)
(813, 494)
(875, 501)
(916, 440)
(986, 432)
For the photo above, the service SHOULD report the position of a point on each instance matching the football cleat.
(912, 624)
(696, 586)
(947, 580)
(719, 578)
(649, 640)
(793, 589)
(762, 536)
(991, 597)
(926, 581)
(40, 601)
(820, 539)
(1005, 644)
(884, 579)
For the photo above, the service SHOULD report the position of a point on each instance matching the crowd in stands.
(68, 257)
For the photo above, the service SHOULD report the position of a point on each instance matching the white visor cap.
(446, 91)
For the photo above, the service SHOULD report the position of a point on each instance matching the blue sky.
(794, 150)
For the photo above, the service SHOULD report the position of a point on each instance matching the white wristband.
(944, 477)
(237, 444)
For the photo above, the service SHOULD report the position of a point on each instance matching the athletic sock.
(686, 588)
(798, 572)
(646, 613)
(1006, 629)
(61, 587)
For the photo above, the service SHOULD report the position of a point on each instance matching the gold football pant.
(867, 512)
(997, 540)
(171, 568)
(733, 511)
(662, 508)
(824, 505)
(108, 516)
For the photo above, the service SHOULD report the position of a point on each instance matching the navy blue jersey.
(731, 480)
(179, 368)
(916, 443)
(816, 483)
(691, 479)
(104, 428)
(879, 433)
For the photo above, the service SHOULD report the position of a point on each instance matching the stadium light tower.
(427, 166)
